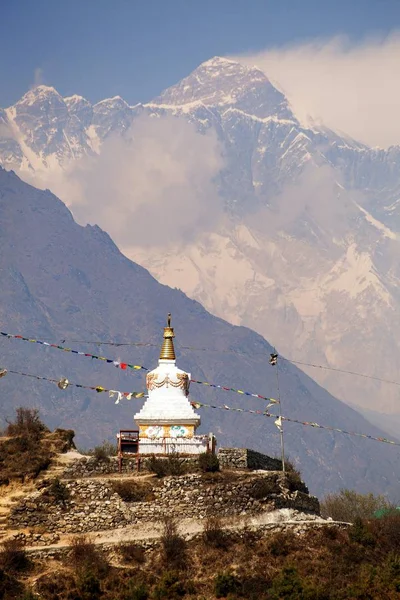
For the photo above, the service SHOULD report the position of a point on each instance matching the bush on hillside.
(173, 545)
(225, 584)
(13, 556)
(386, 530)
(22, 458)
(348, 505)
(170, 587)
(282, 543)
(171, 465)
(85, 557)
(361, 534)
(133, 491)
(58, 491)
(287, 584)
(213, 534)
(27, 423)
(208, 462)
(107, 448)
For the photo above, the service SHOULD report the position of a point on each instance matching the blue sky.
(135, 49)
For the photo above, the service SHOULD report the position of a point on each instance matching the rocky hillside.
(185, 535)
(62, 282)
(307, 251)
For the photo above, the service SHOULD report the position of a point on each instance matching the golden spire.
(167, 349)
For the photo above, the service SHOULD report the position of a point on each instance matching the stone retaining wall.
(243, 458)
(229, 458)
(90, 466)
(94, 505)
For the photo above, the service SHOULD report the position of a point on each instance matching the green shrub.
(225, 584)
(13, 557)
(175, 465)
(287, 585)
(208, 462)
(136, 592)
(361, 534)
(170, 587)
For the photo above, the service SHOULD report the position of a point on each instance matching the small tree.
(27, 423)
(348, 505)
(173, 544)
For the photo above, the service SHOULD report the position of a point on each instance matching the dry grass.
(321, 564)
(131, 552)
(214, 535)
(22, 458)
(133, 490)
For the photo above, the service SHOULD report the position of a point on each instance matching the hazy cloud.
(153, 186)
(350, 87)
(38, 77)
(316, 202)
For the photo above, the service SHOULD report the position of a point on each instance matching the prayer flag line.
(279, 420)
(124, 366)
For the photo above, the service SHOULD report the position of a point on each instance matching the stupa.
(167, 421)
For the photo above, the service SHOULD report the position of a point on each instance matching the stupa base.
(193, 445)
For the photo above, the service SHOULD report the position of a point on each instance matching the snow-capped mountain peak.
(222, 82)
(39, 94)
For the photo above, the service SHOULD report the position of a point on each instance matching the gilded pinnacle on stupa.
(167, 349)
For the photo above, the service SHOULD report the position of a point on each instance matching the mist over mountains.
(65, 282)
(217, 189)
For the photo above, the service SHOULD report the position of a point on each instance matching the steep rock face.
(308, 255)
(61, 281)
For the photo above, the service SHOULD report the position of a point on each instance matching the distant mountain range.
(68, 284)
(308, 254)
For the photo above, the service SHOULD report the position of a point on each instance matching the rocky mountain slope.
(62, 281)
(307, 253)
